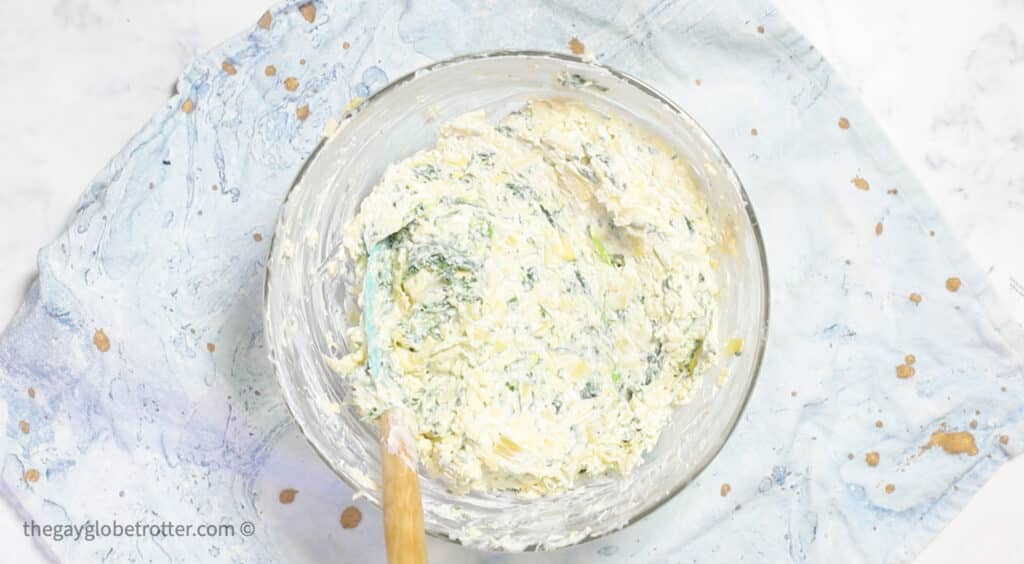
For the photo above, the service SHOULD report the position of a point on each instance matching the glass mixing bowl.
(309, 304)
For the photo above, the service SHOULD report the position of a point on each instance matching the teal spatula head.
(375, 268)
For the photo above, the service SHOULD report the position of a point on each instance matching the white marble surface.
(943, 81)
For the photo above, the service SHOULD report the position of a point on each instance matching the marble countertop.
(944, 84)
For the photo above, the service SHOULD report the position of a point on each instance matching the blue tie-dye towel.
(135, 383)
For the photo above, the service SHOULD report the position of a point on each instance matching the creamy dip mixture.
(545, 297)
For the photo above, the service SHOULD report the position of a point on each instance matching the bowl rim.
(762, 339)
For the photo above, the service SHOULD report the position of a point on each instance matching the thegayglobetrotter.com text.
(96, 529)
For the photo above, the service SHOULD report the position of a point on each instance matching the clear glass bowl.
(308, 302)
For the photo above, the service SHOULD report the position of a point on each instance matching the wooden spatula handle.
(403, 508)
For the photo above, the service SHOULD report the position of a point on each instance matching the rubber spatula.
(400, 488)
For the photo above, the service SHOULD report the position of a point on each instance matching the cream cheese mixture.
(546, 297)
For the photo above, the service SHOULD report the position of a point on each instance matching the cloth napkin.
(135, 383)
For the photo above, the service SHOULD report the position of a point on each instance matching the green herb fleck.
(615, 259)
(691, 364)
(574, 80)
(602, 252)
(529, 278)
(580, 279)
(653, 364)
(588, 174)
(482, 228)
(485, 159)
(548, 215)
(427, 172)
(520, 190)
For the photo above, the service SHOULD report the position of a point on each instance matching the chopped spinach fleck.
(529, 278)
(653, 364)
(547, 214)
(574, 80)
(581, 280)
(588, 174)
(426, 173)
(485, 159)
(526, 111)
(590, 390)
(691, 363)
(482, 228)
(520, 190)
